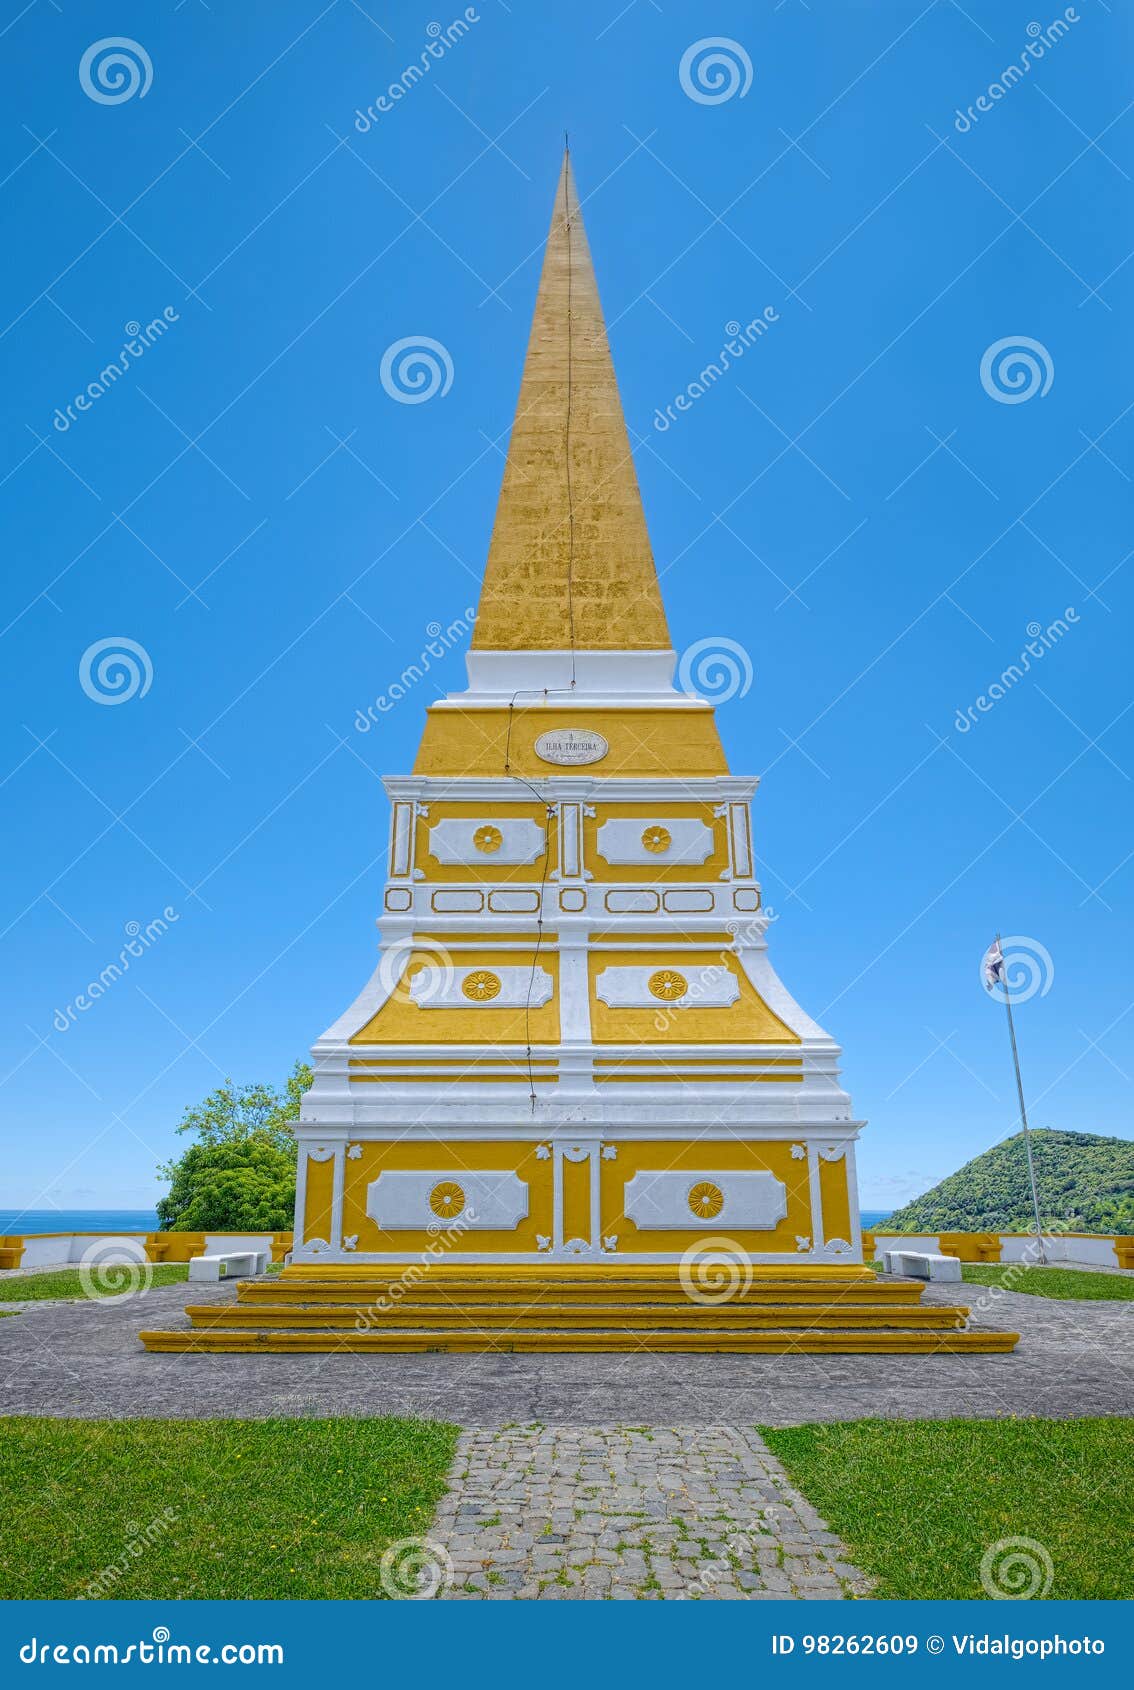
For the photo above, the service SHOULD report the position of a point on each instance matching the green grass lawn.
(1064, 1284)
(212, 1508)
(919, 1503)
(65, 1282)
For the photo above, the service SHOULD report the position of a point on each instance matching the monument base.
(716, 1307)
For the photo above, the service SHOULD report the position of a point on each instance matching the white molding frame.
(619, 841)
(583, 785)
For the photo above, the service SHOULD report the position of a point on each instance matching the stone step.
(574, 1316)
(797, 1342)
(905, 1294)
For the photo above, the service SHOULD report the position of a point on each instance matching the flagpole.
(1023, 1109)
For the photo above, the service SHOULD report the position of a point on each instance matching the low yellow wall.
(159, 1246)
(987, 1246)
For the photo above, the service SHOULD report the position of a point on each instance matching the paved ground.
(84, 1359)
(629, 1513)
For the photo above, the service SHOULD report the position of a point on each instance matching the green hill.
(1086, 1184)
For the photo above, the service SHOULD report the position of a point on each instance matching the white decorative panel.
(486, 839)
(632, 903)
(466, 902)
(399, 898)
(746, 898)
(741, 842)
(573, 899)
(655, 839)
(402, 849)
(692, 900)
(464, 987)
(710, 985)
(523, 902)
(402, 1201)
(570, 839)
(752, 1201)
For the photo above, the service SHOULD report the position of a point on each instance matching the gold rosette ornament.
(488, 839)
(705, 1199)
(657, 840)
(447, 1199)
(481, 986)
(668, 985)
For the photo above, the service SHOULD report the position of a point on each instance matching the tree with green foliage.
(240, 1173)
(1085, 1184)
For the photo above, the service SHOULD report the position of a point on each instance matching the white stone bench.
(917, 1264)
(234, 1264)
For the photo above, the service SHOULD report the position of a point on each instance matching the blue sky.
(851, 505)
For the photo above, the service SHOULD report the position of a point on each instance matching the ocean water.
(77, 1220)
(145, 1220)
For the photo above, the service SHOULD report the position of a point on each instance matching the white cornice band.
(572, 679)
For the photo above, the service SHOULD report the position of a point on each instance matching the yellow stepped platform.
(410, 1309)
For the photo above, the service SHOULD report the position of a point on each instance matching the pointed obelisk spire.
(569, 566)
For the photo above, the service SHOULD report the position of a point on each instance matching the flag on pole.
(992, 965)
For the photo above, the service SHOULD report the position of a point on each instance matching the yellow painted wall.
(576, 1178)
(320, 1189)
(642, 742)
(835, 1198)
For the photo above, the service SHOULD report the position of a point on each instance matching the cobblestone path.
(629, 1513)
